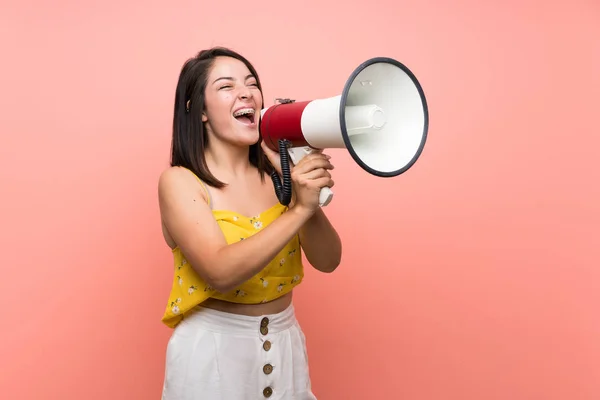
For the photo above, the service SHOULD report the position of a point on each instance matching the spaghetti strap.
(209, 197)
(206, 191)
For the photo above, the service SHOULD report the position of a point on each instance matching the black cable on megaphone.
(283, 190)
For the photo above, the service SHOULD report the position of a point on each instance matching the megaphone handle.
(325, 196)
(297, 154)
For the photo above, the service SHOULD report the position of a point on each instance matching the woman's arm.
(319, 240)
(321, 243)
(191, 224)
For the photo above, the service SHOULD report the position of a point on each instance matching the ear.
(204, 117)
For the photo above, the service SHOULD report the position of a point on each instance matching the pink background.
(474, 276)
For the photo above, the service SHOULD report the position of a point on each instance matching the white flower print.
(255, 222)
(179, 280)
(296, 278)
(240, 293)
(192, 289)
(264, 282)
(281, 262)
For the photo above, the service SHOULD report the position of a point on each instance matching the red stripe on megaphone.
(283, 121)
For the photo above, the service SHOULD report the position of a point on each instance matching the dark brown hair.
(189, 136)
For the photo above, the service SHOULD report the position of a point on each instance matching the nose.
(245, 93)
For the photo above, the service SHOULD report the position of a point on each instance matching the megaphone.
(381, 118)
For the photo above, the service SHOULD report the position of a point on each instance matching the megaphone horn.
(381, 118)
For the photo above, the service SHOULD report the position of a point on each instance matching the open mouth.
(245, 116)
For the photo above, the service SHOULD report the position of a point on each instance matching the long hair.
(189, 139)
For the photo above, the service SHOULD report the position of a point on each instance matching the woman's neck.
(228, 162)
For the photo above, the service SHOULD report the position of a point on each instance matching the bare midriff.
(255, 310)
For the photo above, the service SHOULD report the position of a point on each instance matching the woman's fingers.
(323, 182)
(313, 171)
(317, 178)
(312, 162)
(316, 174)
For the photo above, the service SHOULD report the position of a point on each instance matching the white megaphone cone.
(381, 118)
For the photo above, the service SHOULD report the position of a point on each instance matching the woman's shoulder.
(175, 173)
(175, 181)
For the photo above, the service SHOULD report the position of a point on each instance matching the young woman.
(237, 250)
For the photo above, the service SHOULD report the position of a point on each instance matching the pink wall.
(474, 276)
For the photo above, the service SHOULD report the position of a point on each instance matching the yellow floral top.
(279, 277)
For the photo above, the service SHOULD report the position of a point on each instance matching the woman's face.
(232, 102)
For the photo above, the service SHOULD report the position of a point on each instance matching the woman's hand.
(308, 177)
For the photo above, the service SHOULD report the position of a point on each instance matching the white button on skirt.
(213, 355)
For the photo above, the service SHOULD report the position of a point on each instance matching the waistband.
(224, 322)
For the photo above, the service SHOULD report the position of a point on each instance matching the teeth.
(245, 111)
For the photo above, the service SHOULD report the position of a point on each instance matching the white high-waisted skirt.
(214, 355)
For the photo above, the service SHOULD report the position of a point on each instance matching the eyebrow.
(231, 78)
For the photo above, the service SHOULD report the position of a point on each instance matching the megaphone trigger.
(298, 153)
